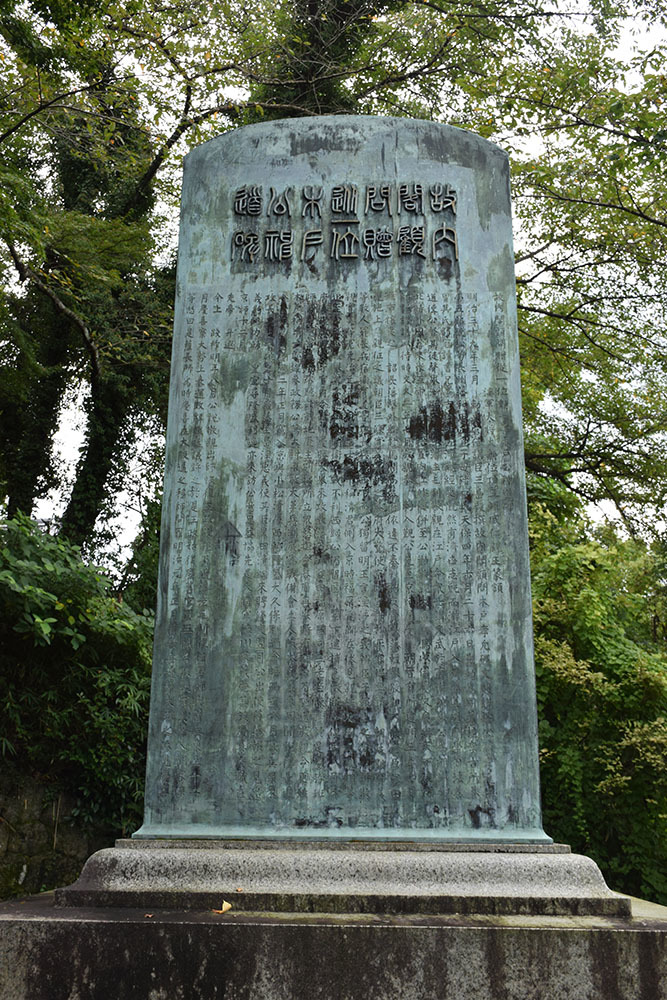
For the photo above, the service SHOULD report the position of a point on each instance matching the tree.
(590, 292)
(93, 295)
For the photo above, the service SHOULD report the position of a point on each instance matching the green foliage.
(591, 200)
(601, 666)
(322, 44)
(74, 676)
(78, 229)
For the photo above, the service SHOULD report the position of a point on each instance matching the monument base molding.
(356, 878)
(56, 953)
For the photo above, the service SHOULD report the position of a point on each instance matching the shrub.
(74, 676)
(602, 700)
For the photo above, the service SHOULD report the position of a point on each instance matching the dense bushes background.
(74, 677)
(602, 698)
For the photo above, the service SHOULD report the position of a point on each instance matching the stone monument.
(344, 643)
(343, 727)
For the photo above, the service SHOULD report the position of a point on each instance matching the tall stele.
(344, 639)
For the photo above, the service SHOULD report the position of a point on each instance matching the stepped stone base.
(354, 877)
(354, 921)
(70, 953)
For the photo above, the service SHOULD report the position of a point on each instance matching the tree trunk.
(31, 423)
(107, 409)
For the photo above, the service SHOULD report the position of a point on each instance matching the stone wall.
(41, 847)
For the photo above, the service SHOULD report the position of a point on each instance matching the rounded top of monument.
(352, 133)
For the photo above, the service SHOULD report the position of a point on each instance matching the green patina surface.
(344, 644)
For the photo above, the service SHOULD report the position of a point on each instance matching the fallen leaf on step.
(225, 907)
(148, 914)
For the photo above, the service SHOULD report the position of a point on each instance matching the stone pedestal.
(49, 953)
(354, 877)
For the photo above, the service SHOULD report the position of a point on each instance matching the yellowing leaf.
(225, 907)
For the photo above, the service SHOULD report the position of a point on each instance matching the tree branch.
(42, 106)
(26, 273)
(594, 203)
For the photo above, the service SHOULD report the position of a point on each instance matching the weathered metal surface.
(344, 642)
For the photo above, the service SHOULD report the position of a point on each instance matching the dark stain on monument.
(310, 264)
(433, 423)
(323, 327)
(420, 603)
(604, 958)
(366, 472)
(232, 541)
(307, 359)
(276, 325)
(344, 419)
(445, 268)
(436, 423)
(482, 817)
(332, 819)
(196, 434)
(353, 741)
(384, 596)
